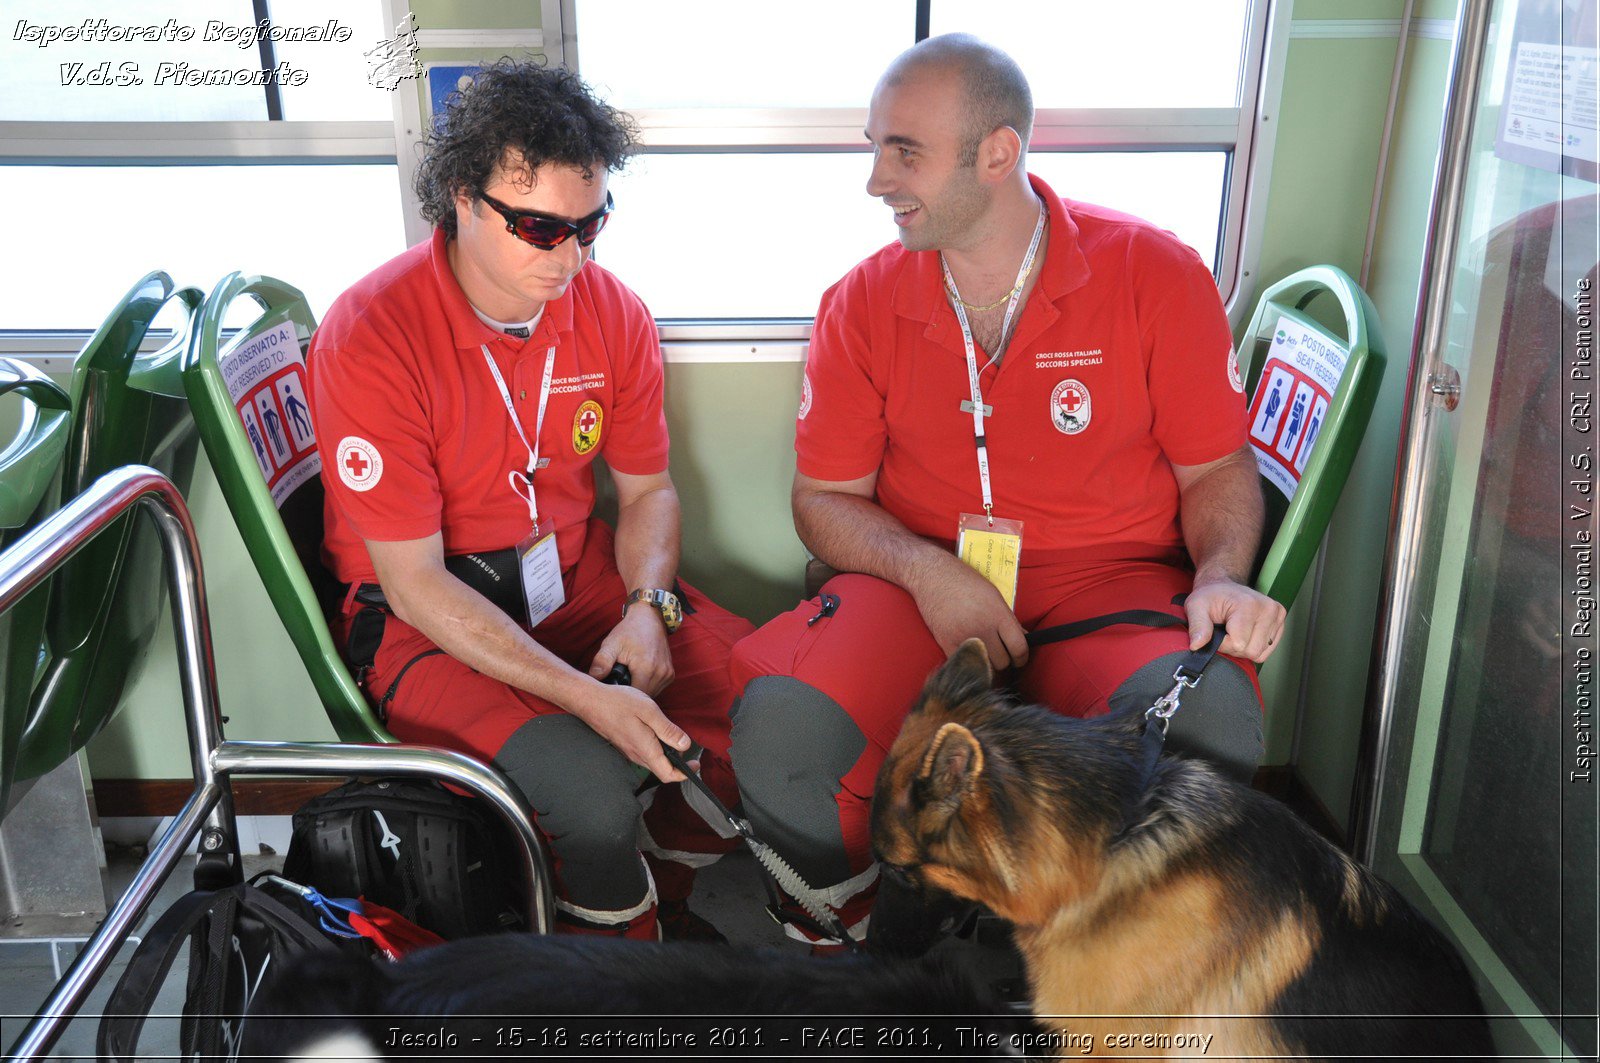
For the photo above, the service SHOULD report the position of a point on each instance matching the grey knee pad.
(1219, 720)
(582, 790)
(791, 746)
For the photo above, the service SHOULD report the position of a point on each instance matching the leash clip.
(1169, 703)
(830, 605)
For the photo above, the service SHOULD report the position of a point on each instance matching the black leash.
(1186, 676)
(821, 919)
(1062, 632)
(1158, 716)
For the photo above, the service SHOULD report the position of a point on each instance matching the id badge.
(995, 550)
(540, 566)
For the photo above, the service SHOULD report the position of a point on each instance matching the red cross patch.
(586, 424)
(359, 463)
(1070, 407)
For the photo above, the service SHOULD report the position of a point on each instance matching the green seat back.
(105, 603)
(1307, 436)
(28, 468)
(248, 396)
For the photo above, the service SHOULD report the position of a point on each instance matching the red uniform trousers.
(440, 701)
(873, 655)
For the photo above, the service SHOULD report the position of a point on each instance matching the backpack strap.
(135, 994)
(130, 1002)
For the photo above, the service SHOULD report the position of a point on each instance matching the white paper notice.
(1550, 111)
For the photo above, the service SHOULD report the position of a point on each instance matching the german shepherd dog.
(525, 995)
(1183, 912)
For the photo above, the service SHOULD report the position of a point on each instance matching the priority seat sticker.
(1296, 387)
(265, 375)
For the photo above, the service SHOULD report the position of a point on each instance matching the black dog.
(516, 994)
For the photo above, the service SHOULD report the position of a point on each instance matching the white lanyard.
(538, 426)
(972, 358)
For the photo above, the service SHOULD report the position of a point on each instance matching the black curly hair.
(521, 108)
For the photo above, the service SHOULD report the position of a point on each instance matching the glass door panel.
(1486, 812)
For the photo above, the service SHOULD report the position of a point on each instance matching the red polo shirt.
(416, 438)
(1118, 368)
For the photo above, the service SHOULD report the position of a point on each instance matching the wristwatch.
(664, 602)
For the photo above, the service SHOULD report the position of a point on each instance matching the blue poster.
(443, 79)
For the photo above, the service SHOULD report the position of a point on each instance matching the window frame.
(266, 141)
(1243, 132)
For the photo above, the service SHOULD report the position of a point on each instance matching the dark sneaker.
(678, 923)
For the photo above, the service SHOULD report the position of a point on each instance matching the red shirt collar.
(919, 292)
(469, 331)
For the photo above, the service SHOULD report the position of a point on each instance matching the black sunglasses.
(546, 231)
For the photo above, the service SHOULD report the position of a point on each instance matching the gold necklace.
(1016, 289)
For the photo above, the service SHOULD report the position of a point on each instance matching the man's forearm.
(1222, 515)
(474, 631)
(648, 537)
(855, 534)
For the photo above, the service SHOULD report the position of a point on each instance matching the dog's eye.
(901, 874)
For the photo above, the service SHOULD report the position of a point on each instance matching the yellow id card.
(994, 550)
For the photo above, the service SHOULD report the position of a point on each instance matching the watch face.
(671, 610)
(664, 602)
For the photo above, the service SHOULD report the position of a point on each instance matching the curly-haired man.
(464, 390)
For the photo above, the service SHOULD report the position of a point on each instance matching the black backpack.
(237, 936)
(436, 858)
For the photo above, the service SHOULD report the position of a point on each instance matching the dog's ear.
(951, 767)
(965, 677)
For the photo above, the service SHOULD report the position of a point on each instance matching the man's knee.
(582, 791)
(1218, 720)
(792, 746)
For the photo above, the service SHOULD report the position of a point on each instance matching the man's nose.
(571, 254)
(878, 183)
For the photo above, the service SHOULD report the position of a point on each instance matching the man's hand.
(1254, 621)
(635, 725)
(640, 642)
(957, 604)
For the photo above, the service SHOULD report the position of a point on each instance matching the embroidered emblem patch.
(586, 427)
(1234, 376)
(360, 464)
(1070, 407)
(805, 396)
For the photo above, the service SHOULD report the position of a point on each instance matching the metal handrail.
(31, 560)
(1412, 482)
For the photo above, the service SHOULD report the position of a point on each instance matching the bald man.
(1024, 413)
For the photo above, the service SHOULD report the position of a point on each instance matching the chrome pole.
(47, 1025)
(1413, 475)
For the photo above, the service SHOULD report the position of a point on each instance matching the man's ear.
(964, 678)
(1000, 153)
(951, 767)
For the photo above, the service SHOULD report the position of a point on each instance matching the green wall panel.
(733, 462)
(1330, 123)
(1316, 10)
(476, 14)
(1358, 536)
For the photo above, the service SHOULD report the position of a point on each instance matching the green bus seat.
(28, 467)
(105, 603)
(248, 398)
(1301, 358)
